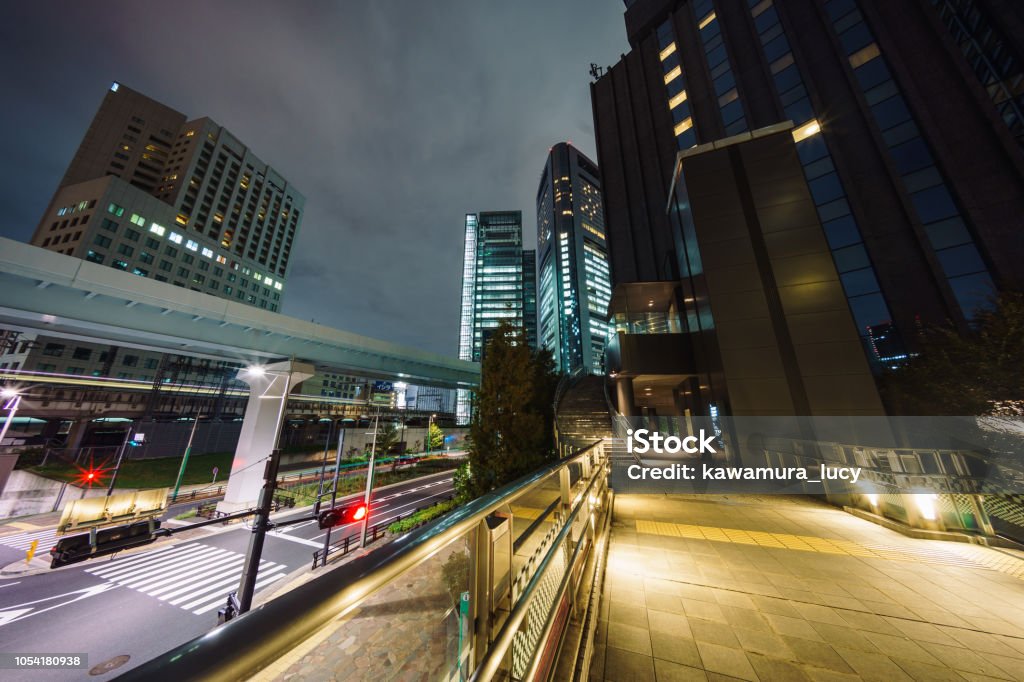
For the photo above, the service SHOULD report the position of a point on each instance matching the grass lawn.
(159, 472)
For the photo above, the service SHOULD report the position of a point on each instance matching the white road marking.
(186, 575)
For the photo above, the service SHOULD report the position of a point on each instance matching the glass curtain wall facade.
(498, 283)
(574, 282)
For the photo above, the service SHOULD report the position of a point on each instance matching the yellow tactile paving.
(526, 512)
(967, 556)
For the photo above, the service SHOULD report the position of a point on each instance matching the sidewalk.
(785, 588)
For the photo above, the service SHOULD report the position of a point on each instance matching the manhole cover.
(107, 666)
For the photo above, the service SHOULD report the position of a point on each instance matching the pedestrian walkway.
(192, 576)
(785, 588)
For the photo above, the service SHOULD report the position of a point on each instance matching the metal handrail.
(246, 645)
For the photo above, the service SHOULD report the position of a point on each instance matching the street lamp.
(430, 422)
(184, 459)
(13, 399)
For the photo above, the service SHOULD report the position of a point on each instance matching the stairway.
(582, 413)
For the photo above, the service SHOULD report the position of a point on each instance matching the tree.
(512, 431)
(435, 437)
(387, 438)
(978, 373)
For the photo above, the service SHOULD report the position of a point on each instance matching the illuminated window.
(683, 126)
(864, 55)
(114, 86)
(191, 245)
(222, 259)
(190, 133)
(181, 219)
(673, 74)
(806, 130)
(207, 252)
(116, 210)
(277, 285)
(160, 230)
(667, 51)
(707, 20)
(136, 219)
(175, 237)
(677, 100)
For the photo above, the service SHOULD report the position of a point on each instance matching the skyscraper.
(574, 284)
(176, 200)
(907, 125)
(498, 283)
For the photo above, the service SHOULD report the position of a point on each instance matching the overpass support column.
(624, 394)
(269, 388)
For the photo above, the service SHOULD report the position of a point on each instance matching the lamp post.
(184, 459)
(369, 481)
(13, 401)
(120, 457)
(430, 423)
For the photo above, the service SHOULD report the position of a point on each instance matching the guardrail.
(482, 592)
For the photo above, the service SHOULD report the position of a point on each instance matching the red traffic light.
(339, 516)
(90, 476)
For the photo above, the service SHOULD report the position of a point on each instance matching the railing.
(483, 592)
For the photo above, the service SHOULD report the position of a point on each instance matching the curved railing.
(482, 591)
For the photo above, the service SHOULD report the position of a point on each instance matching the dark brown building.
(908, 126)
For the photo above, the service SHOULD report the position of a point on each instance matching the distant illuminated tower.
(573, 286)
(498, 283)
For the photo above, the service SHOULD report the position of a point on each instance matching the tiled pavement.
(808, 592)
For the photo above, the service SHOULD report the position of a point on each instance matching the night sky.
(394, 119)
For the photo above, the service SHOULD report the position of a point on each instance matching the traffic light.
(90, 477)
(339, 516)
(77, 548)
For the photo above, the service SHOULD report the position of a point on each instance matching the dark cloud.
(393, 118)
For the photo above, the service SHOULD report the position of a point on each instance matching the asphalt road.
(143, 603)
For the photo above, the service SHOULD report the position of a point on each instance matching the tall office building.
(498, 283)
(182, 201)
(908, 126)
(574, 284)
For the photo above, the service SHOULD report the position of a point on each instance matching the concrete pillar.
(268, 391)
(75, 436)
(624, 396)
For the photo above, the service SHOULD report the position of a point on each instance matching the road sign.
(140, 437)
(216, 470)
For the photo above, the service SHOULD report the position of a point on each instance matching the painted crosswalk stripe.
(164, 592)
(146, 561)
(260, 584)
(117, 564)
(218, 596)
(213, 589)
(23, 541)
(193, 576)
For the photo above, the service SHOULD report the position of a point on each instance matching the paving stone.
(629, 638)
(726, 660)
(626, 666)
(681, 650)
(775, 669)
(873, 667)
(667, 671)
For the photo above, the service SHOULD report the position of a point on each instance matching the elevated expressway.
(66, 297)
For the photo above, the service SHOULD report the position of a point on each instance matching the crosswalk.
(22, 541)
(192, 576)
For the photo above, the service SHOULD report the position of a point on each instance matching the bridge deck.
(784, 588)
